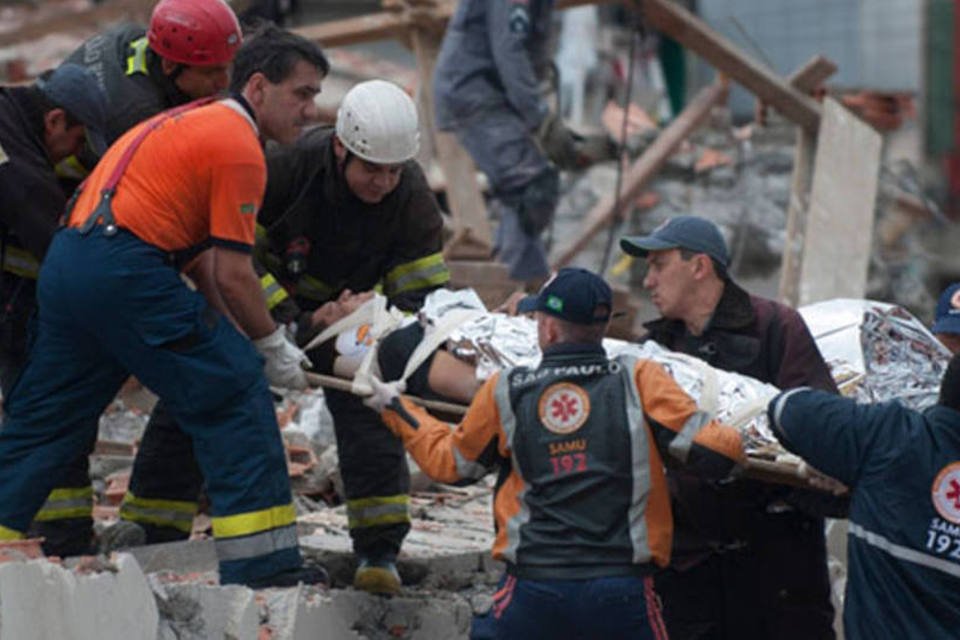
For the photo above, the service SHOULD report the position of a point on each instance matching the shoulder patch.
(519, 18)
(945, 492)
(564, 407)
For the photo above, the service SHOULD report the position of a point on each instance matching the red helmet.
(194, 32)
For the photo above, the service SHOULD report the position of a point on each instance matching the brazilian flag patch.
(248, 208)
(554, 303)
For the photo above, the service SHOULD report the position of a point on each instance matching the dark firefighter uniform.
(316, 239)
(30, 208)
(581, 498)
(136, 88)
(130, 74)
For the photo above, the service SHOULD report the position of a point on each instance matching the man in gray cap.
(40, 125)
(749, 559)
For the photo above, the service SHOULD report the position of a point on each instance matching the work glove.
(558, 142)
(385, 394)
(285, 361)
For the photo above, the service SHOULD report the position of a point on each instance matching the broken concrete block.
(43, 601)
(425, 616)
(303, 614)
(197, 611)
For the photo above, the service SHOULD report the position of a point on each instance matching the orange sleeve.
(684, 432)
(449, 453)
(236, 192)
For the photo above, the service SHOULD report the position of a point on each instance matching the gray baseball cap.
(681, 232)
(77, 90)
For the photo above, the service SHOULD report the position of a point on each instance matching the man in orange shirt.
(579, 443)
(180, 191)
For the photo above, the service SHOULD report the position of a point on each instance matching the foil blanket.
(876, 352)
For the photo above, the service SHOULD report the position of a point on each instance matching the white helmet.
(377, 121)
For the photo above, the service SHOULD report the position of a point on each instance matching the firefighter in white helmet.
(346, 210)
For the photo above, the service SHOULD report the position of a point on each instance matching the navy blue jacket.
(903, 469)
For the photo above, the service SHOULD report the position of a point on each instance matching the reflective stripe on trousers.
(176, 514)
(67, 502)
(377, 511)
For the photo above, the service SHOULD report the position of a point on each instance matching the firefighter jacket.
(492, 55)
(310, 219)
(31, 200)
(580, 444)
(130, 74)
(770, 342)
(903, 470)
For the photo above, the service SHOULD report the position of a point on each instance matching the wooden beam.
(808, 77)
(395, 22)
(694, 34)
(645, 168)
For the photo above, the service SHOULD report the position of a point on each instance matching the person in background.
(946, 326)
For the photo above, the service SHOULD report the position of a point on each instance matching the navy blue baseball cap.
(77, 90)
(575, 295)
(948, 310)
(681, 232)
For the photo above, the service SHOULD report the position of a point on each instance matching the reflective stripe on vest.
(10, 534)
(429, 271)
(683, 441)
(258, 545)
(66, 503)
(901, 552)
(137, 61)
(640, 463)
(253, 522)
(20, 262)
(508, 421)
(176, 514)
(377, 511)
(272, 291)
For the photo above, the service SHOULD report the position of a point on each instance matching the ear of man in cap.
(682, 232)
(77, 91)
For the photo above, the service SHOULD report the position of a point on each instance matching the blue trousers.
(110, 306)
(504, 149)
(622, 607)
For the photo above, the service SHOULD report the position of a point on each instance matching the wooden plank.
(812, 74)
(789, 292)
(694, 34)
(644, 169)
(839, 230)
(395, 22)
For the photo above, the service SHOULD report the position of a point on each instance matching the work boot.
(123, 534)
(377, 576)
(292, 577)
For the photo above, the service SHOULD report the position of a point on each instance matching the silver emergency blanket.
(876, 352)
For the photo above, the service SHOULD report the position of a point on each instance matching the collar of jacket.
(28, 107)
(172, 95)
(734, 311)
(573, 350)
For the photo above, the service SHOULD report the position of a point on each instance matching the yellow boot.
(380, 577)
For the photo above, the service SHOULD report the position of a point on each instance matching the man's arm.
(32, 203)
(465, 452)
(239, 287)
(415, 266)
(836, 435)
(801, 364)
(682, 431)
(509, 26)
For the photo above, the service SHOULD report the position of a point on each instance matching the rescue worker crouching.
(39, 126)
(180, 189)
(184, 54)
(345, 211)
(581, 503)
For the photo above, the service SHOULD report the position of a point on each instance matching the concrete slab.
(197, 611)
(43, 601)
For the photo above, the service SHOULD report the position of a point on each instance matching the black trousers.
(776, 587)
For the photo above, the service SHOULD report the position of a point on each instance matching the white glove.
(384, 393)
(285, 361)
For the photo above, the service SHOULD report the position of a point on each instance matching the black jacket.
(770, 342)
